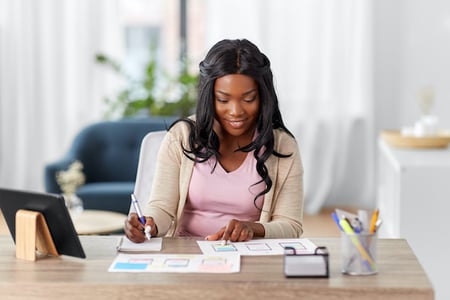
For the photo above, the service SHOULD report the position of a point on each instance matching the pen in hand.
(141, 216)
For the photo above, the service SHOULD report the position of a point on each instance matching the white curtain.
(321, 58)
(50, 85)
(320, 51)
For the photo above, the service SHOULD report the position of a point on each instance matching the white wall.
(411, 50)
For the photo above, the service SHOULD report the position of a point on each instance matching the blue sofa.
(109, 151)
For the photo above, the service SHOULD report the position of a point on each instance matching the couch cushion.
(109, 150)
(113, 196)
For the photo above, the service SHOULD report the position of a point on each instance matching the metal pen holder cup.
(359, 253)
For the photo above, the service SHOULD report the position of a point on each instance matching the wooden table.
(400, 276)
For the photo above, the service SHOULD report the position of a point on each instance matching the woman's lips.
(236, 124)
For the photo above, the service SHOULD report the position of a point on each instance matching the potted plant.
(145, 97)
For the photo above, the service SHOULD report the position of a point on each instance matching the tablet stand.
(32, 234)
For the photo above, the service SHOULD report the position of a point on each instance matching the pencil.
(373, 223)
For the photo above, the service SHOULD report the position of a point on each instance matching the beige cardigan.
(282, 212)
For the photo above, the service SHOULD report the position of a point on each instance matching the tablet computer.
(55, 212)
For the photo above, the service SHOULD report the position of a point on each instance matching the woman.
(232, 172)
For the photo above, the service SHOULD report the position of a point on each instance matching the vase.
(74, 204)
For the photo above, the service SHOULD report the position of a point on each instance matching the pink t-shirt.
(216, 198)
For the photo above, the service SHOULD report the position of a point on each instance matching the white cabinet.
(414, 202)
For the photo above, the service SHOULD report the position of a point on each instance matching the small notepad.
(306, 265)
(125, 245)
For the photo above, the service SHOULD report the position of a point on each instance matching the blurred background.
(344, 71)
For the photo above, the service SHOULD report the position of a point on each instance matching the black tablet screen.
(55, 212)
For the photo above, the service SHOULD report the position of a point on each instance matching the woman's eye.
(221, 100)
(250, 99)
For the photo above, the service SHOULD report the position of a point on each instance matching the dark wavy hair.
(227, 57)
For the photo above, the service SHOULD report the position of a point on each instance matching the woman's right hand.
(134, 229)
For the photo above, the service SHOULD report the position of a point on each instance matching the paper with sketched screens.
(176, 263)
(258, 247)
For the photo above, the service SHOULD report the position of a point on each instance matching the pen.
(140, 216)
(378, 224)
(336, 219)
(357, 225)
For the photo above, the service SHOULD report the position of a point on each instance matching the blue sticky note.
(130, 266)
(224, 248)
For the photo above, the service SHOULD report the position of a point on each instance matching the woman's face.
(236, 101)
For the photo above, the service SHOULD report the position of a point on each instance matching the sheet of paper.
(125, 245)
(176, 263)
(258, 247)
(342, 213)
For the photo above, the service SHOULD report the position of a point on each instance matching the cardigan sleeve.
(165, 197)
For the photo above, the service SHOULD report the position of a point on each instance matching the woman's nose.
(236, 108)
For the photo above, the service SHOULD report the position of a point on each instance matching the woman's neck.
(235, 142)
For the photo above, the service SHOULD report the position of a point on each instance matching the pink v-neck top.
(216, 196)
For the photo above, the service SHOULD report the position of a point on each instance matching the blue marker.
(336, 219)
